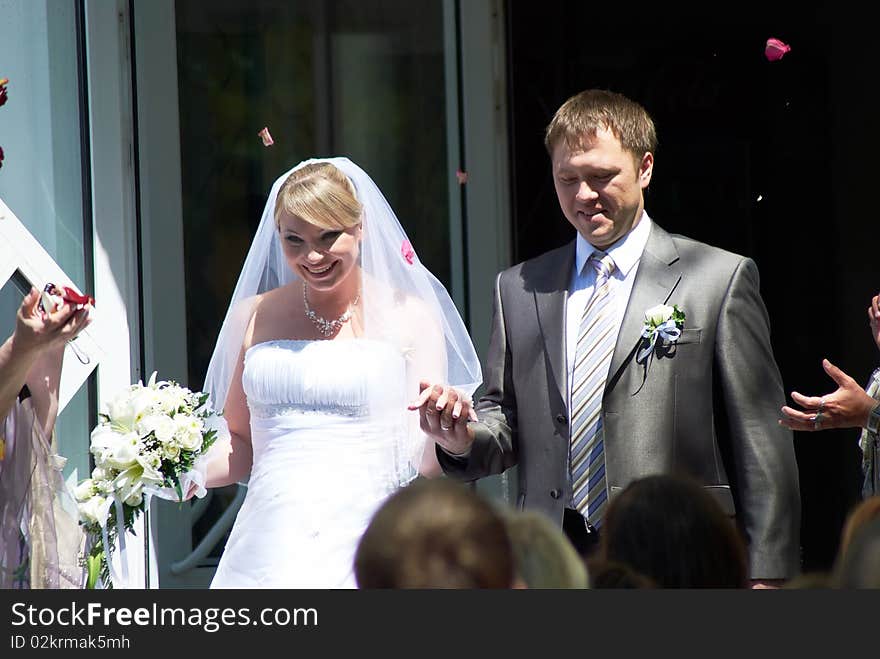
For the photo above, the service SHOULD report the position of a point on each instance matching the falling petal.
(407, 252)
(461, 176)
(760, 197)
(266, 137)
(775, 49)
(1, 156)
(3, 93)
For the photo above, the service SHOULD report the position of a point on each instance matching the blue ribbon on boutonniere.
(663, 325)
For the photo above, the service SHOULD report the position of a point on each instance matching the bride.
(332, 326)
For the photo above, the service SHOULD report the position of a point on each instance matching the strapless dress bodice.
(328, 427)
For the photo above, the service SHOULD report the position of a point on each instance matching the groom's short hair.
(435, 534)
(582, 115)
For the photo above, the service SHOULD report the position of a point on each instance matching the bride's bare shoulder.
(272, 317)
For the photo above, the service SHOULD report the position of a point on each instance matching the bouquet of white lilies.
(149, 443)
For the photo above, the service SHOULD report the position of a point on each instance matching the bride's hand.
(444, 413)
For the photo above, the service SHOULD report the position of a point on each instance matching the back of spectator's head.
(866, 511)
(859, 565)
(609, 574)
(435, 534)
(544, 557)
(671, 530)
(809, 581)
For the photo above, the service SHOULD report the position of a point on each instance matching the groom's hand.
(444, 413)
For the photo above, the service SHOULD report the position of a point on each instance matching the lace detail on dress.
(270, 410)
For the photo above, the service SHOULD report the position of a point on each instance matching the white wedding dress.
(328, 428)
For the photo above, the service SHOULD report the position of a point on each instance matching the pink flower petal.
(407, 252)
(461, 176)
(266, 137)
(775, 49)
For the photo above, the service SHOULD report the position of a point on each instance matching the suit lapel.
(656, 279)
(550, 300)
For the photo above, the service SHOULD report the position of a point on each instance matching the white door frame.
(114, 220)
(21, 252)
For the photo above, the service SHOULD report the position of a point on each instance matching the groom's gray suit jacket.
(707, 407)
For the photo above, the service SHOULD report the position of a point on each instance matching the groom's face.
(600, 187)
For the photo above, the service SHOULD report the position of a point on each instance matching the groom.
(586, 395)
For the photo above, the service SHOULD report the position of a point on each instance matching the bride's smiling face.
(322, 257)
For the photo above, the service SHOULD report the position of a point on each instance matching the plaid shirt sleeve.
(868, 442)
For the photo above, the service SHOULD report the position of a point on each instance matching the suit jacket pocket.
(692, 335)
(722, 494)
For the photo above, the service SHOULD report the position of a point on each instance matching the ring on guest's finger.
(821, 405)
(442, 427)
(817, 421)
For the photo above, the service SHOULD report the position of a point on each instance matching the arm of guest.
(766, 476)
(33, 355)
(849, 406)
(874, 319)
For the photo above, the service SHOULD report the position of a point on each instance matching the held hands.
(35, 328)
(444, 413)
(848, 407)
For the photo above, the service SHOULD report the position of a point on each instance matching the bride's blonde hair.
(321, 195)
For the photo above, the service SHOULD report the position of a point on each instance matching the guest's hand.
(766, 584)
(36, 329)
(874, 319)
(848, 407)
(444, 413)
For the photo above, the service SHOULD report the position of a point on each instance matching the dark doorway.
(768, 159)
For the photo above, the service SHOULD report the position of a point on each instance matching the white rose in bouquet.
(188, 432)
(171, 451)
(160, 425)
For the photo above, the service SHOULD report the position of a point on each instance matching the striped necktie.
(595, 345)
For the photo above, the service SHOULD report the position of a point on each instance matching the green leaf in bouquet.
(93, 563)
(209, 438)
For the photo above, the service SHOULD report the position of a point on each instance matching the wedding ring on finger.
(821, 405)
(817, 421)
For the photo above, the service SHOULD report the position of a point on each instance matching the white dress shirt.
(626, 254)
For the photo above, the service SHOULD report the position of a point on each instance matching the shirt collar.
(626, 252)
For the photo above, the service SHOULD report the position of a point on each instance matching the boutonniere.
(663, 325)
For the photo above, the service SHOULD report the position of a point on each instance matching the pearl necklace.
(327, 327)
